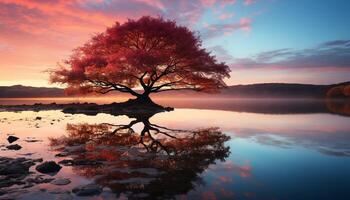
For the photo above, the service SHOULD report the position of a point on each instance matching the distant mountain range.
(264, 90)
(20, 91)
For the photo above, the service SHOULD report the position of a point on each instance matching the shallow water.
(216, 154)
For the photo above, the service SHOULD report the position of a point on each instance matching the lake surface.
(203, 151)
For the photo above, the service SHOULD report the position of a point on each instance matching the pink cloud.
(249, 2)
(208, 3)
(245, 24)
(225, 16)
(215, 30)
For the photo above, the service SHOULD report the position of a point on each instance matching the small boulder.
(48, 167)
(38, 118)
(11, 139)
(61, 181)
(14, 147)
(87, 190)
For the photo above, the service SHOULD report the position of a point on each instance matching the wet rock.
(33, 140)
(87, 190)
(59, 191)
(79, 162)
(39, 180)
(14, 147)
(14, 166)
(2, 192)
(11, 138)
(27, 154)
(64, 196)
(28, 185)
(48, 167)
(13, 171)
(62, 154)
(10, 182)
(66, 162)
(62, 181)
(38, 160)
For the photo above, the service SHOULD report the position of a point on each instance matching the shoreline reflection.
(155, 162)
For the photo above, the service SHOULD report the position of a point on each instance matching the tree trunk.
(144, 100)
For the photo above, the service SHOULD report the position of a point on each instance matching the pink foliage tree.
(141, 57)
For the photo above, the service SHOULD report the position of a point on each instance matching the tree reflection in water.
(154, 162)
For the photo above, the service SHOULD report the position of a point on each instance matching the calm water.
(223, 153)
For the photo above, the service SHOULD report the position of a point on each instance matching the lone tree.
(141, 57)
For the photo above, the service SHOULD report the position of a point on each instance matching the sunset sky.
(299, 41)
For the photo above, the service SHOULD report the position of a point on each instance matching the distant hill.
(264, 90)
(19, 91)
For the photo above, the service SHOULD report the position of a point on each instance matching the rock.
(66, 162)
(2, 192)
(11, 139)
(62, 181)
(33, 140)
(88, 190)
(28, 185)
(10, 182)
(38, 118)
(14, 147)
(62, 154)
(38, 160)
(13, 171)
(27, 154)
(79, 162)
(64, 196)
(14, 168)
(59, 191)
(11, 166)
(48, 167)
(39, 180)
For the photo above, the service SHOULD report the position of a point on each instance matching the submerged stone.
(87, 190)
(48, 167)
(62, 181)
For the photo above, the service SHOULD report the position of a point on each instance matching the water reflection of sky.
(296, 156)
(326, 133)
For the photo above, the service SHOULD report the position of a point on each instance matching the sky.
(292, 41)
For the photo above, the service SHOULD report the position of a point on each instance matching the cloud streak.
(332, 54)
(215, 30)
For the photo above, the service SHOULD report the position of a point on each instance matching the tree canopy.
(141, 57)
